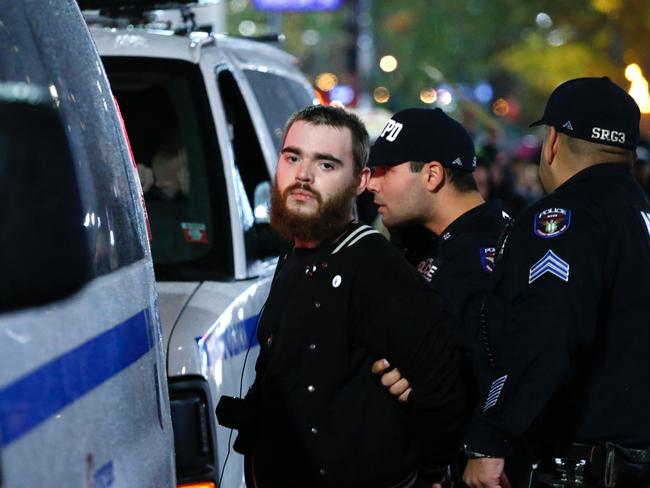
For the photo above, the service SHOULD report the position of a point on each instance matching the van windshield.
(174, 145)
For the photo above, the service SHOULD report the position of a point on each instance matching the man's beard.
(328, 220)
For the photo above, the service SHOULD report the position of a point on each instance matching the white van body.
(239, 98)
(83, 391)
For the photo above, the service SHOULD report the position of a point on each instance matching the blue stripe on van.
(238, 337)
(35, 397)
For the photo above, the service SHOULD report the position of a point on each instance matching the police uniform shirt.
(324, 418)
(459, 262)
(568, 328)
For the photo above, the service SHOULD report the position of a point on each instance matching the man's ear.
(433, 175)
(362, 180)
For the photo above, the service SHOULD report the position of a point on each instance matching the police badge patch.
(552, 222)
(427, 268)
(487, 258)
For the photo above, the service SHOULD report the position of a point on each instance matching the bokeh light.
(326, 81)
(444, 97)
(639, 87)
(381, 94)
(500, 107)
(388, 63)
(428, 95)
(247, 28)
(544, 20)
(483, 92)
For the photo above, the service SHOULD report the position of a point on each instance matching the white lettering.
(607, 135)
(393, 133)
(391, 130)
(388, 128)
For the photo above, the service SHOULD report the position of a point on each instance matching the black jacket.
(568, 328)
(323, 419)
(459, 262)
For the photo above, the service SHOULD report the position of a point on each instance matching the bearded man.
(342, 297)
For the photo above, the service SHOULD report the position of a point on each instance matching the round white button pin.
(336, 282)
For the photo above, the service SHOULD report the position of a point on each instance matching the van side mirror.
(43, 250)
(262, 203)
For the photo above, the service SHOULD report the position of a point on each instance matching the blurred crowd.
(509, 172)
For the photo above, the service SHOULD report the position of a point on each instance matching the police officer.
(423, 164)
(567, 329)
(341, 297)
(422, 182)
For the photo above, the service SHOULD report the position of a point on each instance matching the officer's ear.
(433, 174)
(550, 146)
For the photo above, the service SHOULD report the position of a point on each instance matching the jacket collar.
(468, 219)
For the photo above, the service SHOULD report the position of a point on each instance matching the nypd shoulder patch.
(552, 222)
(487, 258)
(550, 263)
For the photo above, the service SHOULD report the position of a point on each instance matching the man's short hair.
(338, 118)
(462, 180)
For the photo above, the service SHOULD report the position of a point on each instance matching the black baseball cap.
(595, 110)
(423, 135)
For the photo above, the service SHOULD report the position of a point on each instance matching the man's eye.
(291, 159)
(326, 166)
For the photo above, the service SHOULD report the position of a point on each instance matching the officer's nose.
(373, 184)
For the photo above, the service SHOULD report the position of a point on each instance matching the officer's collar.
(468, 218)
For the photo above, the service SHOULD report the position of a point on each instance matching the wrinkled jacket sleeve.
(406, 325)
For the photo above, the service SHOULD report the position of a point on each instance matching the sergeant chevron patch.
(550, 263)
(495, 391)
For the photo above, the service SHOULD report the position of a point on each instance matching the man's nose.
(304, 173)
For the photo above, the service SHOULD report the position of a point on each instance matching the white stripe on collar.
(359, 233)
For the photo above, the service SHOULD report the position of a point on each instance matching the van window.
(279, 97)
(108, 199)
(170, 126)
(249, 160)
(250, 171)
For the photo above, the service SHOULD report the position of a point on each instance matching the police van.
(205, 115)
(83, 391)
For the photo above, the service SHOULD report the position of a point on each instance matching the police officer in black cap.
(422, 181)
(423, 163)
(567, 328)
